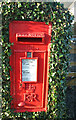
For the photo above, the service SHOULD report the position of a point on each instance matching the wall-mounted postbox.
(29, 62)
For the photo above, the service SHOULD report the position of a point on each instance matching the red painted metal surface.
(29, 85)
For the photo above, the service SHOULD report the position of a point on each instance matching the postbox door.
(29, 94)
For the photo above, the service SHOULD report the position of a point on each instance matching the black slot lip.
(24, 39)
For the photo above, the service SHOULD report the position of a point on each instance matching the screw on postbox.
(29, 62)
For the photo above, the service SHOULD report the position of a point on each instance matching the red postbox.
(29, 62)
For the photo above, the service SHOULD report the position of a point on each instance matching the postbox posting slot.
(30, 38)
(23, 39)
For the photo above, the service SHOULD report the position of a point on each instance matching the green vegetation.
(61, 34)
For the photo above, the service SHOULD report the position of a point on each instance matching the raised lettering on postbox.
(30, 94)
(27, 34)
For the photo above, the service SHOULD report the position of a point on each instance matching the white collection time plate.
(29, 70)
